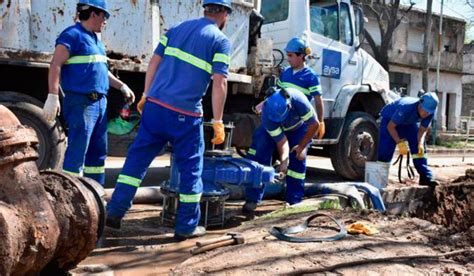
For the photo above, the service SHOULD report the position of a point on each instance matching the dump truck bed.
(28, 29)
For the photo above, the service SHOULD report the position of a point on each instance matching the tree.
(389, 15)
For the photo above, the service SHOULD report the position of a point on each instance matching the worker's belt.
(282, 233)
(94, 96)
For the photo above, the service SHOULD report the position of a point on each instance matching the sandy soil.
(145, 247)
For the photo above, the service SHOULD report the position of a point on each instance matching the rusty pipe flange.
(7, 118)
(99, 194)
(22, 146)
(17, 143)
(78, 217)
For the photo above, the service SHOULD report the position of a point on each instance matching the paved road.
(446, 166)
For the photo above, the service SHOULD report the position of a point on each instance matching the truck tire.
(51, 136)
(357, 144)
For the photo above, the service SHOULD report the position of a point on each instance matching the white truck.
(355, 86)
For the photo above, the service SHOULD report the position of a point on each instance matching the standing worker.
(80, 62)
(400, 125)
(288, 122)
(177, 78)
(304, 79)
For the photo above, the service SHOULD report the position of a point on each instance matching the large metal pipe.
(144, 195)
(49, 221)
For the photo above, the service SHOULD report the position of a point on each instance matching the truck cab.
(354, 86)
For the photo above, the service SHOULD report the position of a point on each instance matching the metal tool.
(226, 237)
(229, 239)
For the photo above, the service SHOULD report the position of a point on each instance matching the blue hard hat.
(298, 45)
(429, 101)
(99, 4)
(225, 3)
(277, 106)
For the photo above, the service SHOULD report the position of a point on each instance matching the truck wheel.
(358, 144)
(51, 136)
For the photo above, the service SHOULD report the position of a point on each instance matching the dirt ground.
(145, 247)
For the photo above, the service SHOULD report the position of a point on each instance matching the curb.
(448, 150)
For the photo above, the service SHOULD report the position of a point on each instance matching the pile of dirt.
(452, 204)
(468, 177)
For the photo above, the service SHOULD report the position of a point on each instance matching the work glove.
(127, 93)
(421, 149)
(402, 147)
(51, 107)
(362, 228)
(321, 130)
(141, 104)
(219, 134)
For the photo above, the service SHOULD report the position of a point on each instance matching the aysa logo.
(331, 64)
(330, 70)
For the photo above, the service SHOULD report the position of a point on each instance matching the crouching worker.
(288, 122)
(400, 125)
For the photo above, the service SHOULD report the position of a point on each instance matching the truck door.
(331, 37)
(277, 25)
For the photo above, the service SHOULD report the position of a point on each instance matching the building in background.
(406, 59)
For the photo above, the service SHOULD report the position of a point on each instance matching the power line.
(461, 15)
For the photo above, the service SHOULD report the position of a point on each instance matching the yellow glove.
(421, 149)
(321, 130)
(141, 103)
(402, 147)
(219, 134)
(362, 228)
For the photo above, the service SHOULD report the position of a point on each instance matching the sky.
(454, 8)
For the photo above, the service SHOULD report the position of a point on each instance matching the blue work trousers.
(86, 120)
(261, 151)
(158, 126)
(408, 132)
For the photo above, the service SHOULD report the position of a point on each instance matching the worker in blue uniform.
(406, 120)
(288, 122)
(177, 78)
(80, 64)
(303, 78)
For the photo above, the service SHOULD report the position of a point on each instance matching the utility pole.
(440, 40)
(426, 45)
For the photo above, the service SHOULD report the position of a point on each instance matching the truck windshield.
(274, 10)
(324, 18)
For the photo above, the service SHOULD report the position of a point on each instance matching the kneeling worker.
(288, 121)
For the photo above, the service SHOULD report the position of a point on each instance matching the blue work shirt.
(191, 52)
(86, 69)
(301, 111)
(306, 81)
(404, 111)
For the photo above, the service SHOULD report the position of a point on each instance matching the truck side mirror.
(359, 24)
(359, 21)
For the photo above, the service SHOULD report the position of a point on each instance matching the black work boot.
(198, 232)
(249, 207)
(428, 182)
(113, 222)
